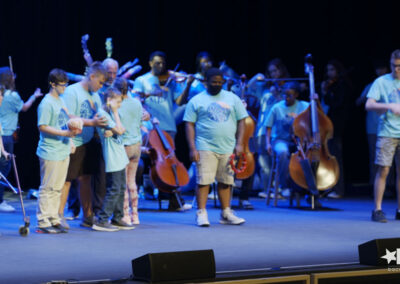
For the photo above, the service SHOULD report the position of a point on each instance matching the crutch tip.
(23, 231)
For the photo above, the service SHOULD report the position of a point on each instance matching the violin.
(167, 173)
(248, 157)
(313, 167)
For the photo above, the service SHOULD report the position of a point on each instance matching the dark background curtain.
(41, 35)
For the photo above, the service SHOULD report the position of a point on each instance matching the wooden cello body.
(167, 173)
(313, 130)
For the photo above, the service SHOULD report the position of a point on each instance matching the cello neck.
(313, 101)
(162, 137)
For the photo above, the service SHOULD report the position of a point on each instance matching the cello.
(313, 167)
(167, 173)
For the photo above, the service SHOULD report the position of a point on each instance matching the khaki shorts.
(213, 166)
(386, 149)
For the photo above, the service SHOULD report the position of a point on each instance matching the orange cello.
(246, 161)
(167, 173)
(313, 167)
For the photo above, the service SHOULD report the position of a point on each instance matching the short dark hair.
(157, 53)
(395, 55)
(57, 76)
(292, 85)
(7, 78)
(112, 92)
(213, 72)
(97, 68)
(121, 84)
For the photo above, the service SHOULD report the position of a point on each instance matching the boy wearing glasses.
(384, 98)
(53, 151)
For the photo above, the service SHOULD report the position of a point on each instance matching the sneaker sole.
(45, 231)
(102, 229)
(124, 228)
(230, 223)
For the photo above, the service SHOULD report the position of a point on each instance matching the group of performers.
(94, 134)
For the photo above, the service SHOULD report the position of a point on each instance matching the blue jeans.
(5, 166)
(113, 204)
(282, 150)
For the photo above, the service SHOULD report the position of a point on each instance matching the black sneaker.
(122, 225)
(379, 216)
(87, 222)
(397, 217)
(104, 227)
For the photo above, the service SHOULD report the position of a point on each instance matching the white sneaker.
(202, 218)
(228, 217)
(63, 222)
(262, 194)
(5, 207)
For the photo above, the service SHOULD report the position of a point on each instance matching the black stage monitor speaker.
(380, 252)
(174, 266)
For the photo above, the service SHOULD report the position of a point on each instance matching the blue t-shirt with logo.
(215, 119)
(81, 103)
(9, 109)
(386, 89)
(160, 107)
(115, 157)
(280, 119)
(53, 112)
(131, 116)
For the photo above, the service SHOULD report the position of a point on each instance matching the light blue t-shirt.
(131, 115)
(81, 103)
(267, 101)
(160, 107)
(9, 109)
(115, 157)
(53, 112)
(386, 89)
(281, 117)
(215, 119)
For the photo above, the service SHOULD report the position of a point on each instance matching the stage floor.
(271, 238)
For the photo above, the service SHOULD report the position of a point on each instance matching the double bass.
(167, 173)
(313, 167)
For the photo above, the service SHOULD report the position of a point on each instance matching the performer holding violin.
(160, 92)
(214, 118)
(384, 98)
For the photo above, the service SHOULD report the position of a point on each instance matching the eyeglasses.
(395, 65)
(63, 85)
